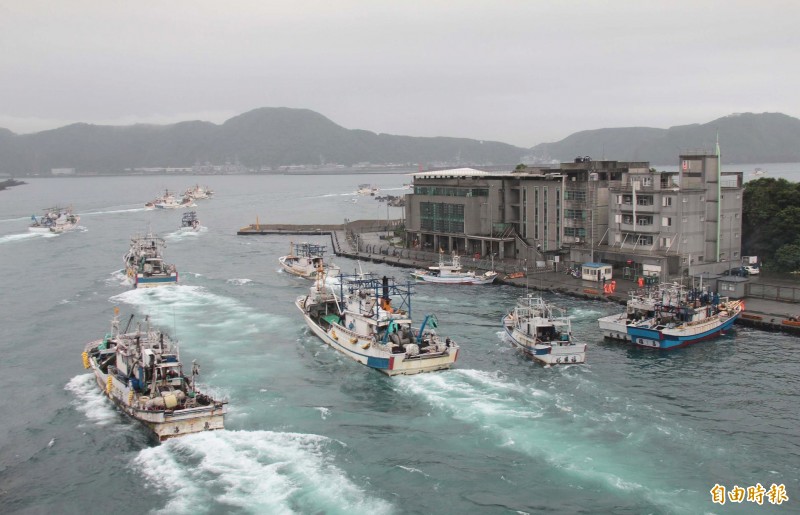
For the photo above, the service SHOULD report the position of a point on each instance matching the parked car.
(738, 272)
(752, 270)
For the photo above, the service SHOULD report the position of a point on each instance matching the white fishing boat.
(369, 321)
(169, 201)
(54, 220)
(668, 316)
(144, 263)
(189, 221)
(453, 273)
(543, 331)
(141, 372)
(367, 189)
(198, 192)
(305, 259)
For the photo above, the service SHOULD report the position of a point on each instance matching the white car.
(752, 270)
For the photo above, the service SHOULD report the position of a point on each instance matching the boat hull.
(467, 279)
(614, 327)
(151, 281)
(546, 354)
(162, 424)
(341, 340)
(675, 338)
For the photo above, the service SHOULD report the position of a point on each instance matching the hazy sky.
(521, 72)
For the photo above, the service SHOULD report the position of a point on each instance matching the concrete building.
(641, 221)
(671, 223)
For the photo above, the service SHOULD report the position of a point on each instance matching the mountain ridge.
(280, 136)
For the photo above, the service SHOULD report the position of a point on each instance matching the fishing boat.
(369, 320)
(367, 189)
(305, 259)
(668, 316)
(54, 220)
(189, 221)
(169, 201)
(145, 265)
(543, 331)
(452, 273)
(141, 372)
(198, 192)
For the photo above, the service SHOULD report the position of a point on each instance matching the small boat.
(668, 316)
(758, 172)
(543, 331)
(189, 221)
(306, 259)
(369, 320)
(453, 273)
(367, 189)
(199, 192)
(54, 220)
(141, 372)
(145, 265)
(168, 201)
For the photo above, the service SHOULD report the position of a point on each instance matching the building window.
(617, 238)
(441, 217)
(666, 242)
(645, 200)
(684, 219)
(645, 240)
(574, 195)
(666, 201)
(644, 220)
(617, 218)
(666, 221)
(702, 218)
(627, 219)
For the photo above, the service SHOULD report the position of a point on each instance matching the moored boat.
(543, 331)
(189, 221)
(54, 220)
(144, 263)
(141, 372)
(369, 320)
(453, 273)
(668, 316)
(305, 259)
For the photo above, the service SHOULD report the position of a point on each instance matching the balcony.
(640, 208)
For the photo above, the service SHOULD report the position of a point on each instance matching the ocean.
(309, 431)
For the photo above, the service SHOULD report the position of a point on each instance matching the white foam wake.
(546, 421)
(10, 238)
(89, 400)
(192, 310)
(254, 471)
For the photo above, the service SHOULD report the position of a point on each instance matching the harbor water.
(309, 431)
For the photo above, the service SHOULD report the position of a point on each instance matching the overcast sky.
(521, 72)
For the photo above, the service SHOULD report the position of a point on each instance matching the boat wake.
(193, 311)
(10, 238)
(254, 472)
(90, 401)
(239, 282)
(602, 446)
(114, 211)
(181, 235)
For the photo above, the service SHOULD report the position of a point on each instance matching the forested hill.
(275, 137)
(744, 138)
(262, 137)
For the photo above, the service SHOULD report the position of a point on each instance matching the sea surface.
(309, 431)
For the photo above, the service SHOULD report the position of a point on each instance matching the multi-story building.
(669, 222)
(623, 213)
